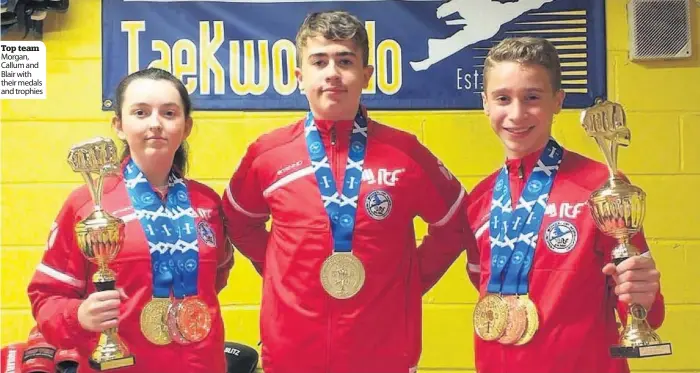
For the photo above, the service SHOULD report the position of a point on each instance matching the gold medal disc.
(342, 275)
(194, 319)
(490, 317)
(533, 321)
(517, 321)
(154, 321)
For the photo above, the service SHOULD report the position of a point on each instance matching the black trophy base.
(660, 349)
(112, 364)
(105, 285)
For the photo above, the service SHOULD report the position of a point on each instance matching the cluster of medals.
(166, 320)
(506, 314)
(507, 319)
(342, 273)
(175, 313)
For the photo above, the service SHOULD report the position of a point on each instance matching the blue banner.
(240, 54)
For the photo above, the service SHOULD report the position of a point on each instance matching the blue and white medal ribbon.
(513, 237)
(342, 274)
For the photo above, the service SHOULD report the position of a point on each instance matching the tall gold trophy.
(100, 237)
(618, 209)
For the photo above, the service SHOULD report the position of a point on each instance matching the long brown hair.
(180, 159)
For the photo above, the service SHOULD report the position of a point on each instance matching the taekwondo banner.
(240, 54)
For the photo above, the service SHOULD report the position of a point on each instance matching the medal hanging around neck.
(342, 273)
(173, 246)
(506, 313)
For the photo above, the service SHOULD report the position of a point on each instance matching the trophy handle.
(95, 192)
(609, 150)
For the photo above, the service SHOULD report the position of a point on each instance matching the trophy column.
(618, 209)
(100, 236)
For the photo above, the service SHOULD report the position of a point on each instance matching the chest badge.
(378, 204)
(561, 236)
(206, 233)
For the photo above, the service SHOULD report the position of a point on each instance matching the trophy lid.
(93, 155)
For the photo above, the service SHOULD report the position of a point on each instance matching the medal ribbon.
(513, 233)
(170, 231)
(341, 207)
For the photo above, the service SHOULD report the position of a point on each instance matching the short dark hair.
(333, 25)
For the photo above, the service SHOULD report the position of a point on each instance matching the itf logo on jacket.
(378, 204)
(561, 236)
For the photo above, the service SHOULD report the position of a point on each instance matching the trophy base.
(624, 352)
(111, 364)
(105, 285)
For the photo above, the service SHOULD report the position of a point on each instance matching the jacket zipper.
(521, 172)
(517, 186)
(334, 169)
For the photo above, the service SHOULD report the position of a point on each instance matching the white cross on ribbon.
(152, 215)
(184, 246)
(530, 239)
(160, 247)
(522, 203)
(504, 206)
(332, 199)
(359, 129)
(509, 242)
(323, 163)
(355, 165)
(495, 242)
(348, 201)
(546, 169)
(131, 184)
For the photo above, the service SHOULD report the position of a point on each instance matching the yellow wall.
(663, 105)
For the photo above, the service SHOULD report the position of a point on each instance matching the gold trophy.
(100, 237)
(618, 209)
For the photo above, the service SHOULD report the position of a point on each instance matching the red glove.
(67, 361)
(39, 355)
(11, 357)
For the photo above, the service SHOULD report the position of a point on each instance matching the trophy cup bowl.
(100, 236)
(618, 209)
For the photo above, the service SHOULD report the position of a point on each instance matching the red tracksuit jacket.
(64, 278)
(304, 329)
(575, 300)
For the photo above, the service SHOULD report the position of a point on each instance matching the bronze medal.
(173, 330)
(194, 319)
(490, 317)
(154, 321)
(533, 321)
(517, 321)
(342, 275)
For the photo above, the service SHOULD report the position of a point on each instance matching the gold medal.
(490, 317)
(173, 330)
(533, 321)
(517, 321)
(342, 275)
(194, 319)
(154, 321)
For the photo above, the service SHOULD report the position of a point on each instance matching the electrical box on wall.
(659, 29)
